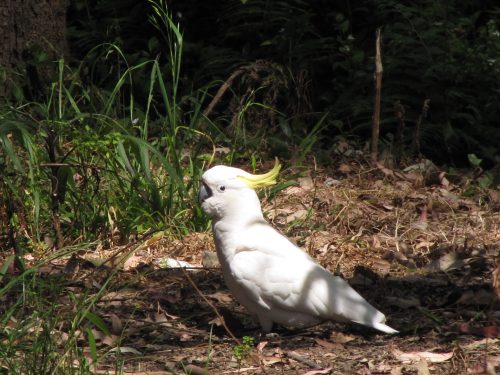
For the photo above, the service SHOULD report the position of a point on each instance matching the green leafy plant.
(482, 178)
(243, 350)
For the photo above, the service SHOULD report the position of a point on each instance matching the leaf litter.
(423, 253)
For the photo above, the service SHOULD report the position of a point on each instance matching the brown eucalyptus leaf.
(414, 357)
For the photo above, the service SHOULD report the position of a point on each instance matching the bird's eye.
(222, 188)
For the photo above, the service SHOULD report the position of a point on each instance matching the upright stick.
(376, 110)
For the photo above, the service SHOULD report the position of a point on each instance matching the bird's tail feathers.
(384, 328)
(361, 312)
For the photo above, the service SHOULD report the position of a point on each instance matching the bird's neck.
(234, 223)
(228, 236)
(229, 229)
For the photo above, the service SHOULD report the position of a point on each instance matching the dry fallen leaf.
(110, 340)
(386, 171)
(381, 265)
(125, 349)
(398, 370)
(331, 182)
(270, 360)
(414, 357)
(116, 324)
(492, 332)
(492, 364)
(344, 168)
(341, 338)
(489, 367)
(293, 190)
(217, 321)
(476, 344)
(297, 215)
(315, 372)
(443, 180)
(221, 297)
(162, 317)
(422, 368)
(222, 150)
(261, 345)
(132, 262)
(326, 344)
(155, 238)
(306, 183)
(496, 278)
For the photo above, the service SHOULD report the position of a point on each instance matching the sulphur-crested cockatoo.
(273, 278)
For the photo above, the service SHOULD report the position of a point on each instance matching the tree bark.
(28, 27)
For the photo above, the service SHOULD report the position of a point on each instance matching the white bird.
(268, 274)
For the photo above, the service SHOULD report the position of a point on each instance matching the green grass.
(45, 323)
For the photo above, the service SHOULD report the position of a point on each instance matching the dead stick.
(222, 90)
(376, 109)
(416, 136)
(254, 355)
(298, 357)
(221, 318)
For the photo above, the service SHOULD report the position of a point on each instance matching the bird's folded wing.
(277, 274)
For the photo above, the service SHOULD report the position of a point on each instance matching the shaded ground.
(420, 248)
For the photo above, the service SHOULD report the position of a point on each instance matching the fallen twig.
(254, 355)
(298, 357)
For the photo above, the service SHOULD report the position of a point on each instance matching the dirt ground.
(420, 245)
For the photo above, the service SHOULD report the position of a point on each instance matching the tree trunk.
(28, 28)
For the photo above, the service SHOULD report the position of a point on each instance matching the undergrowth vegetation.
(94, 164)
(83, 163)
(301, 58)
(113, 145)
(45, 322)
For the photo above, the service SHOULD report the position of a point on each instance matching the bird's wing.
(277, 274)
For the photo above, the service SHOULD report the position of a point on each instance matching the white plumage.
(273, 278)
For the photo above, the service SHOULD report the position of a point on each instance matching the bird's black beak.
(205, 193)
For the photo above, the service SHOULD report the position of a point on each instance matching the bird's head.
(227, 191)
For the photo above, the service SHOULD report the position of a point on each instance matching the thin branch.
(254, 355)
(400, 113)
(298, 357)
(225, 86)
(418, 126)
(221, 318)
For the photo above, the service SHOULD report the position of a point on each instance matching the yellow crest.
(255, 181)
